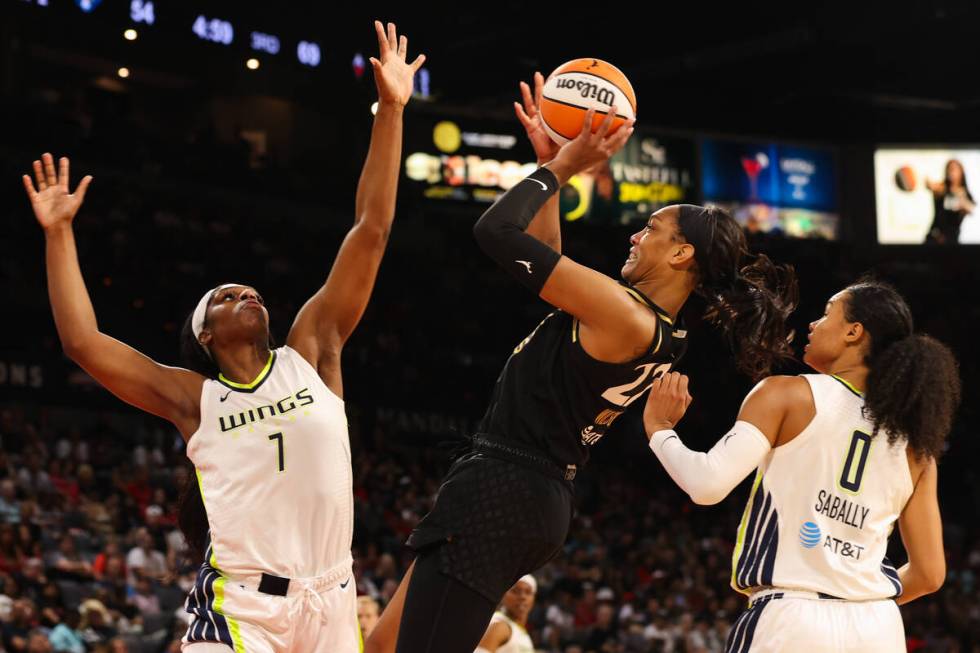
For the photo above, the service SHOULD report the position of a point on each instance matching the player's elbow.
(373, 232)
(706, 496)
(490, 231)
(483, 231)
(934, 577)
(77, 347)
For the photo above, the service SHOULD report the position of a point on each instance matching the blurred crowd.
(91, 559)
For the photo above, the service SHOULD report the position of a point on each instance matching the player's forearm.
(709, 477)
(918, 582)
(546, 224)
(501, 231)
(74, 315)
(377, 189)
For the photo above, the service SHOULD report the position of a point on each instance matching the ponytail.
(749, 298)
(913, 386)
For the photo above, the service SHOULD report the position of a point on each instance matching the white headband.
(201, 311)
(529, 579)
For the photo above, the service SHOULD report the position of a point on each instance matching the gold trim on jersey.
(660, 333)
(213, 560)
(848, 385)
(740, 538)
(256, 382)
(646, 302)
(660, 340)
(234, 629)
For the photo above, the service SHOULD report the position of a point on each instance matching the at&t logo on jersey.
(809, 535)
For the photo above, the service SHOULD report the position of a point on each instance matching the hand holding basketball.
(393, 77)
(577, 86)
(529, 115)
(588, 148)
(52, 202)
(666, 404)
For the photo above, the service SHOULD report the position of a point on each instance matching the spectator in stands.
(144, 599)
(368, 612)
(144, 560)
(9, 507)
(37, 642)
(11, 557)
(64, 637)
(17, 631)
(96, 624)
(68, 562)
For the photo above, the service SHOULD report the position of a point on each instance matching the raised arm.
(327, 320)
(595, 299)
(169, 392)
(546, 224)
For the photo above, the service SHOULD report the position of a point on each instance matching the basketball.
(905, 178)
(579, 85)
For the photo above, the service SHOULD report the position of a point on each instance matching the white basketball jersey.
(519, 642)
(273, 462)
(823, 505)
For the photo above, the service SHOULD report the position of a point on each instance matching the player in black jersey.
(505, 507)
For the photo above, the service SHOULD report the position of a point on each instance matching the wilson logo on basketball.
(588, 90)
(579, 85)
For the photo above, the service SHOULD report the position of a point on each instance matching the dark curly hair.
(191, 515)
(913, 386)
(749, 298)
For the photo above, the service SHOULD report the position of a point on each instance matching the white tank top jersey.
(273, 462)
(823, 505)
(519, 642)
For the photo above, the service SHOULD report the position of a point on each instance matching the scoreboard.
(236, 26)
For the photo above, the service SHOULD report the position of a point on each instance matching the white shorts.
(778, 621)
(317, 615)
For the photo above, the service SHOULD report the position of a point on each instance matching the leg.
(385, 633)
(334, 628)
(441, 614)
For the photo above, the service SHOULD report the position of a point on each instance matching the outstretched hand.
(392, 75)
(51, 200)
(529, 115)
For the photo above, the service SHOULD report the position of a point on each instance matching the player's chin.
(255, 320)
(627, 271)
(809, 358)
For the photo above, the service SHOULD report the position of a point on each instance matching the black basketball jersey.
(556, 398)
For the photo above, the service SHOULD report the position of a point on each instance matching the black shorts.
(494, 521)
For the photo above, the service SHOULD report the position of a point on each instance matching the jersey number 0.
(857, 458)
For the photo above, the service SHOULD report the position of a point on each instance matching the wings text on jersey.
(259, 413)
